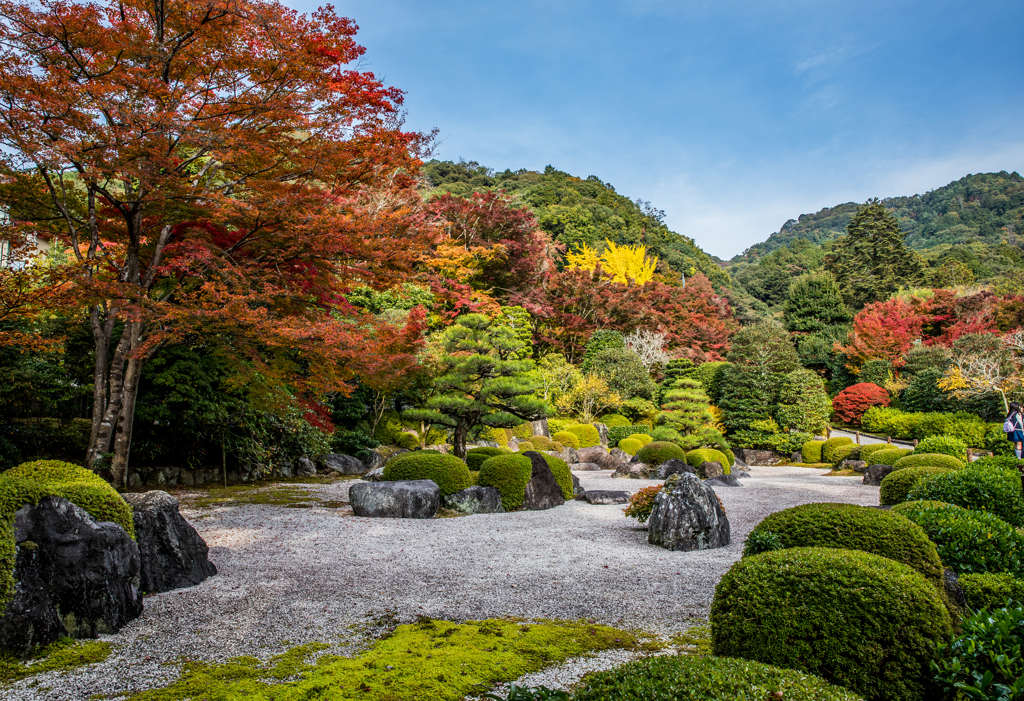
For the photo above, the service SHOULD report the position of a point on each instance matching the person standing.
(1014, 427)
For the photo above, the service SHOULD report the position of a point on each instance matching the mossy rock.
(859, 620)
(475, 457)
(642, 437)
(811, 451)
(656, 453)
(889, 456)
(896, 485)
(448, 472)
(928, 460)
(630, 446)
(29, 482)
(831, 444)
(586, 433)
(695, 458)
(563, 475)
(566, 438)
(509, 474)
(852, 527)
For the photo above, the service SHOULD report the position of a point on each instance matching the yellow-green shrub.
(569, 439)
(642, 437)
(630, 446)
(586, 433)
(695, 458)
(446, 471)
(509, 474)
(831, 444)
(811, 452)
(524, 446)
(928, 460)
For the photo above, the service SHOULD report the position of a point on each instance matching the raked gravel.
(288, 576)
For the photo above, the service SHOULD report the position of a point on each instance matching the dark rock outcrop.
(401, 499)
(855, 465)
(474, 500)
(876, 473)
(342, 464)
(76, 577)
(635, 470)
(687, 516)
(620, 454)
(672, 466)
(305, 468)
(542, 491)
(577, 488)
(710, 470)
(374, 475)
(604, 496)
(749, 456)
(951, 583)
(173, 554)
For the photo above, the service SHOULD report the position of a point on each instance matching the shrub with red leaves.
(852, 402)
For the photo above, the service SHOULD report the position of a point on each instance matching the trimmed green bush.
(811, 451)
(557, 447)
(619, 432)
(614, 420)
(928, 460)
(946, 445)
(985, 662)
(845, 452)
(701, 455)
(867, 451)
(659, 451)
(685, 678)
(992, 590)
(406, 440)
(642, 437)
(984, 487)
(562, 473)
(630, 445)
(541, 442)
(889, 456)
(730, 456)
(500, 436)
(859, 620)
(896, 485)
(831, 444)
(31, 481)
(852, 527)
(523, 446)
(446, 471)
(968, 541)
(586, 433)
(566, 438)
(475, 457)
(523, 431)
(509, 474)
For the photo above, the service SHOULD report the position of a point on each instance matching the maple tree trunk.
(123, 434)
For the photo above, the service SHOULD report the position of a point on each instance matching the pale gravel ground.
(290, 576)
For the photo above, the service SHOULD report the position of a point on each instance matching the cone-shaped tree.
(815, 305)
(685, 406)
(484, 383)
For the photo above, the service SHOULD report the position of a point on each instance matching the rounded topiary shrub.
(853, 527)
(983, 487)
(406, 440)
(867, 452)
(992, 590)
(889, 456)
(475, 457)
(896, 485)
(844, 452)
(630, 446)
(928, 460)
(619, 432)
(541, 442)
(946, 445)
(695, 458)
(642, 437)
(730, 456)
(685, 678)
(859, 620)
(566, 438)
(557, 447)
(500, 436)
(509, 474)
(811, 452)
(523, 446)
(659, 451)
(968, 541)
(31, 481)
(827, 450)
(562, 473)
(446, 471)
(586, 433)
(614, 420)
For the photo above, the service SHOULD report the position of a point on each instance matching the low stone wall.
(163, 477)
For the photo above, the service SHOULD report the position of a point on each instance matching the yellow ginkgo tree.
(629, 265)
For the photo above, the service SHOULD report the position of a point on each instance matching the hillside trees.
(213, 169)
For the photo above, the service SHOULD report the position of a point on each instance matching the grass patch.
(424, 661)
(64, 654)
(844, 473)
(812, 465)
(695, 641)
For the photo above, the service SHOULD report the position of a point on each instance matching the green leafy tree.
(815, 305)
(599, 341)
(871, 261)
(484, 382)
(685, 406)
(747, 396)
(804, 404)
(765, 347)
(624, 372)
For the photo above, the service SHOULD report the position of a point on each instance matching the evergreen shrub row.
(928, 460)
(896, 485)
(887, 421)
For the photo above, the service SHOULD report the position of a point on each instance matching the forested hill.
(575, 210)
(974, 209)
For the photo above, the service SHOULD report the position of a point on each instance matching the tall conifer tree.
(815, 305)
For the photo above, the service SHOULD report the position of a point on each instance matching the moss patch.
(64, 654)
(293, 494)
(424, 661)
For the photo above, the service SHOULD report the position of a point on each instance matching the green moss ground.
(293, 494)
(65, 654)
(424, 661)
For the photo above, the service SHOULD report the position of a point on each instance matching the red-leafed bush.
(852, 402)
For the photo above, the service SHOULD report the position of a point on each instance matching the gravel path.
(289, 576)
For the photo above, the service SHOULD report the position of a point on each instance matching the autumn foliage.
(850, 404)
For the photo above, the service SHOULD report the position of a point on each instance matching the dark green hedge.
(853, 527)
(475, 457)
(447, 471)
(896, 485)
(858, 620)
(992, 590)
(509, 474)
(928, 460)
(683, 678)
(984, 487)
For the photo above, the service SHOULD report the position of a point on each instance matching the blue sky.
(731, 116)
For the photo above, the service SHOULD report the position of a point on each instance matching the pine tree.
(815, 305)
(685, 407)
(871, 261)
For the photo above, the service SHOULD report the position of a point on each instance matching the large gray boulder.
(710, 470)
(343, 464)
(474, 500)
(75, 577)
(587, 467)
(672, 466)
(401, 499)
(724, 481)
(687, 516)
(540, 428)
(876, 473)
(604, 496)
(635, 470)
(751, 456)
(173, 554)
(599, 456)
(305, 467)
(374, 475)
(855, 465)
(569, 455)
(542, 491)
(620, 454)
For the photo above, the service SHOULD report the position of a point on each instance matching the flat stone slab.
(401, 499)
(604, 496)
